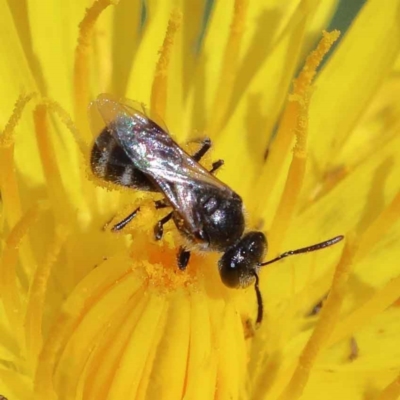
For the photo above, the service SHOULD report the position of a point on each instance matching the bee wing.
(109, 107)
(153, 152)
(150, 148)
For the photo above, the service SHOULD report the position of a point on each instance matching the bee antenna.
(314, 247)
(260, 310)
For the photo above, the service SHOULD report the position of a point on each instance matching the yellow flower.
(90, 314)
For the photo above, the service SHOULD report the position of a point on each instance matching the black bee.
(135, 152)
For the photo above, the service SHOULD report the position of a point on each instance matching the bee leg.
(159, 204)
(215, 165)
(205, 146)
(159, 227)
(120, 225)
(183, 258)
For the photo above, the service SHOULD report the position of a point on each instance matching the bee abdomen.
(110, 162)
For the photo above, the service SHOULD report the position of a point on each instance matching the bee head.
(239, 264)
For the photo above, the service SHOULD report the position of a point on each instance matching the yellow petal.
(352, 77)
(244, 139)
(142, 72)
(17, 65)
(125, 42)
(53, 36)
(356, 200)
(371, 368)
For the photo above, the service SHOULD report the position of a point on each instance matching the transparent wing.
(150, 148)
(152, 151)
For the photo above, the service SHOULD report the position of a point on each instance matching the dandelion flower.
(91, 314)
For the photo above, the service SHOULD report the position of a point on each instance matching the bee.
(134, 151)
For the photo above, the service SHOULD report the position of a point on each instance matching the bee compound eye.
(239, 263)
(229, 271)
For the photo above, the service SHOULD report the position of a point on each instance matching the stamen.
(9, 287)
(82, 60)
(160, 82)
(229, 67)
(36, 300)
(302, 84)
(300, 100)
(328, 319)
(276, 156)
(8, 179)
(6, 139)
(65, 118)
(294, 181)
(55, 186)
